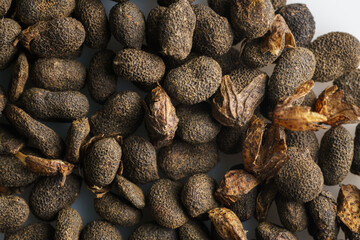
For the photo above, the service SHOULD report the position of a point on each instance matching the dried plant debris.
(266, 230)
(355, 165)
(9, 31)
(161, 120)
(331, 103)
(153, 231)
(227, 224)
(68, 224)
(129, 191)
(19, 78)
(14, 212)
(100, 229)
(350, 84)
(75, 139)
(298, 118)
(38, 231)
(266, 196)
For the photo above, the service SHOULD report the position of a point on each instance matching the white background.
(330, 15)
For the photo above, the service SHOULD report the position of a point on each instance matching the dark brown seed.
(57, 74)
(75, 139)
(68, 224)
(9, 30)
(310, 99)
(152, 26)
(229, 61)
(350, 84)
(292, 214)
(193, 231)
(167, 3)
(127, 24)
(165, 204)
(230, 139)
(244, 207)
(198, 195)
(305, 141)
(19, 78)
(139, 158)
(14, 211)
(221, 7)
(129, 191)
(264, 199)
(39, 135)
(101, 161)
(182, 159)
(38, 231)
(176, 30)
(57, 106)
(122, 113)
(100, 229)
(266, 231)
(3, 100)
(10, 141)
(92, 14)
(48, 197)
(355, 166)
(4, 7)
(152, 231)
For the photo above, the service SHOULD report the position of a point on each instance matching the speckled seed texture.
(100, 229)
(68, 224)
(193, 231)
(266, 231)
(38, 231)
(350, 84)
(304, 141)
(151, 231)
(14, 211)
(9, 30)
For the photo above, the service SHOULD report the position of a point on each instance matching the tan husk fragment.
(19, 78)
(349, 207)
(98, 191)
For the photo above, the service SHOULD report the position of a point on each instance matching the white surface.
(330, 15)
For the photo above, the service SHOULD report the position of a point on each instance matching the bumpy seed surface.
(38, 231)
(355, 166)
(221, 7)
(10, 141)
(350, 84)
(20, 75)
(278, 3)
(167, 3)
(153, 21)
(230, 139)
(304, 141)
(9, 30)
(68, 224)
(193, 231)
(265, 231)
(4, 7)
(14, 211)
(151, 231)
(244, 208)
(100, 229)
(75, 139)
(229, 61)
(129, 191)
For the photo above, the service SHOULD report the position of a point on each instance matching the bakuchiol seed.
(35, 231)
(165, 204)
(198, 195)
(100, 229)
(355, 166)
(20, 75)
(127, 24)
(122, 113)
(196, 124)
(152, 26)
(129, 191)
(139, 160)
(304, 141)
(292, 214)
(57, 74)
(116, 211)
(193, 231)
(221, 7)
(176, 30)
(68, 224)
(195, 81)
(60, 37)
(335, 53)
(56, 106)
(101, 79)
(350, 84)
(3, 100)
(30, 12)
(92, 14)
(294, 67)
(310, 100)
(213, 35)
(229, 61)
(9, 30)
(336, 155)
(139, 66)
(278, 4)
(152, 231)
(245, 206)
(267, 231)
(101, 161)
(10, 141)
(48, 197)
(167, 3)
(75, 139)
(14, 211)
(251, 19)
(39, 135)
(300, 21)
(322, 211)
(4, 7)
(264, 199)
(182, 159)
(300, 179)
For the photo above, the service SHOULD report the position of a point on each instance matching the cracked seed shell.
(14, 211)
(152, 231)
(266, 231)
(75, 139)
(68, 224)
(193, 230)
(129, 191)
(9, 31)
(37, 231)
(100, 229)
(350, 84)
(304, 141)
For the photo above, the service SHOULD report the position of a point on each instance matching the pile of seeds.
(203, 96)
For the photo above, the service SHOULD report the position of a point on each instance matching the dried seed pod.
(152, 231)
(292, 214)
(278, 4)
(152, 26)
(127, 24)
(129, 191)
(229, 61)
(221, 7)
(198, 195)
(48, 197)
(252, 19)
(304, 140)
(195, 81)
(300, 21)
(75, 139)
(165, 204)
(355, 165)
(322, 211)
(61, 106)
(92, 14)
(196, 124)
(14, 211)
(100, 229)
(167, 3)
(139, 66)
(300, 179)
(335, 155)
(4, 7)
(350, 84)
(57, 74)
(68, 224)
(160, 118)
(19, 78)
(213, 35)
(182, 159)
(227, 224)
(10, 141)
(139, 158)
(264, 199)
(335, 53)
(32, 11)
(114, 210)
(101, 161)
(39, 135)
(9, 30)
(265, 231)
(55, 38)
(176, 30)
(38, 231)
(122, 113)
(193, 231)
